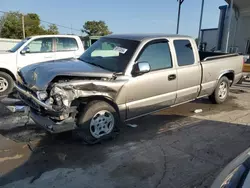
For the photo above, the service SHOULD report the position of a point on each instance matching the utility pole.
(179, 13)
(201, 17)
(23, 26)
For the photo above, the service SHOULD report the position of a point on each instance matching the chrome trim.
(30, 95)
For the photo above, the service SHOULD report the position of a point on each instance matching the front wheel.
(98, 120)
(6, 84)
(221, 91)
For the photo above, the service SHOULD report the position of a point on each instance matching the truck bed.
(205, 56)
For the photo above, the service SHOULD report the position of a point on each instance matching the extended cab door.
(188, 70)
(156, 89)
(38, 50)
(66, 48)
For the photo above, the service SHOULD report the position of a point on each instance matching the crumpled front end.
(58, 105)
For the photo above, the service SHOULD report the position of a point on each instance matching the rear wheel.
(98, 120)
(6, 84)
(221, 91)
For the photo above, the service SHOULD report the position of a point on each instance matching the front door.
(39, 50)
(154, 90)
(188, 71)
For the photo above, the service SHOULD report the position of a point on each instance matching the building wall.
(6, 44)
(225, 30)
(243, 33)
(209, 36)
(239, 31)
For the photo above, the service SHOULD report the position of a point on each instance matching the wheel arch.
(82, 101)
(8, 72)
(229, 74)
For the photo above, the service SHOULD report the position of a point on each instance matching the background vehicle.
(236, 173)
(122, 77)
(246, 72)
(33, 50)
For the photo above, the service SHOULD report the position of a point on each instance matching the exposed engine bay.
(64, 94)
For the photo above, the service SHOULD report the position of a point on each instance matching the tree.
(96, 28)
(11, 25)
(32, 25)
(52, 30)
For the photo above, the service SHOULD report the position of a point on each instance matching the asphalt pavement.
(172, 148)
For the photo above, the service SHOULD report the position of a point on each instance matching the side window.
(40, 45)
(157, 54)
(66, 44)
(184, 52)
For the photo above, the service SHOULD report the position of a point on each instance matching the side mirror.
(141, 68)
(25, 50)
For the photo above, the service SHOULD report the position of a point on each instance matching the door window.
(66, 44)
(184, 52)
(41, 45)
(157, 54)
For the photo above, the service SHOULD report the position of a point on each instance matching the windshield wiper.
(93, 64)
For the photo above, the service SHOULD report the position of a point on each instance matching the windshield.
(111, 54)
(18, 45)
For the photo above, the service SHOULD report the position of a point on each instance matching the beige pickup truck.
(122, 77)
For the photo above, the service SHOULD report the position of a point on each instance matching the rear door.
(65, 48)
(40, 50)
(188, 71)
(156, 89)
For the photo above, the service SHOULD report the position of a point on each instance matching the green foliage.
(96, 28)
(11, 26)
(52, 30)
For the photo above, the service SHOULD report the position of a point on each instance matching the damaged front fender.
(63, 94)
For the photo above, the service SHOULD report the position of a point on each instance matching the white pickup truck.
(33, 50)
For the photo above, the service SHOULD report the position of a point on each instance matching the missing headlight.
(42, 95)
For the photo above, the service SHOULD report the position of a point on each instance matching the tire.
(6, 84)
(221, 91)
(97, 121)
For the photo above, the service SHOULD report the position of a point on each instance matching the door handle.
(172, 77)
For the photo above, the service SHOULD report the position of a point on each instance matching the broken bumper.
(31, 100)
(51, 126)
(40, 113)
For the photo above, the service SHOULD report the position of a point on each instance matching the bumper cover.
(51, 126)
(38, 111)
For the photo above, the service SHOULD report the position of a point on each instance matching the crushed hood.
(38, 76)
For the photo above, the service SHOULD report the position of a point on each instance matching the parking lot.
(172, 148)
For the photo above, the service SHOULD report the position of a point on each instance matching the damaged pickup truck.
(122, 77)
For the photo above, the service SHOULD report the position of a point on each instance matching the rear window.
(184, 52)
(66, 44)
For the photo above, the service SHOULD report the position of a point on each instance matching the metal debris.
(132, 125)
(198, 111)
(61, 156)
(16, 108)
